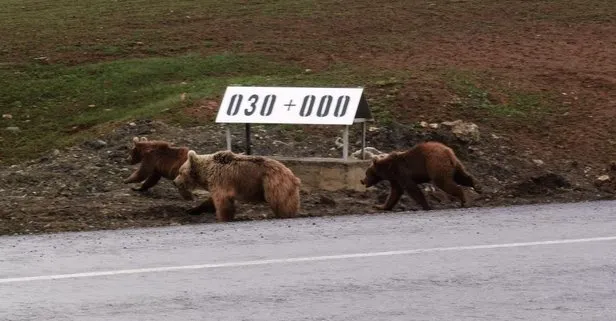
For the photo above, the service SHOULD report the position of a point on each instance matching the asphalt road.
(552, 262)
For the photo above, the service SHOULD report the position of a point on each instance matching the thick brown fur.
(425, 162)
(229, 176)
(158, 159)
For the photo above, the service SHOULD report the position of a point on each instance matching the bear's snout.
(176, 181)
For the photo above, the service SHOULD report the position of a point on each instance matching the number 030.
(267, 106)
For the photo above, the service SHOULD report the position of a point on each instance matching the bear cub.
(425, 162)
(158, 159)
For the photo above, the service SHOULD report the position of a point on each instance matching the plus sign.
(290, 104)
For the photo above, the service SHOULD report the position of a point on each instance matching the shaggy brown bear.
(229, 176)
(158, 159)
(425, 162)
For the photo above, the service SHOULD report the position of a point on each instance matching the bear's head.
(378, 171)
(188, 174)
(140, 147)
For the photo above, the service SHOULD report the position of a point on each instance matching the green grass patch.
(495, 99)
(55, 105)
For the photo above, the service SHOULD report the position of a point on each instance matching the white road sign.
(289, 105)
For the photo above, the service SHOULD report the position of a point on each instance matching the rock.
(339, 142)
(433, 125)
(13, 129)
(131, 124)
(538, 162)
(96, 144)
(369, 152)
(423, 124)
(605, 183)
(465, 131)
(325, 200)
(373, 129)
(277, 142)
(7, 116)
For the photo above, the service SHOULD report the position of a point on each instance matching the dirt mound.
(80, 188)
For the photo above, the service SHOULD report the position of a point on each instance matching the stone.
(465, 131)
(325, 200)
(603, 178)
(369, 152)
(538, 162)
(96, 144)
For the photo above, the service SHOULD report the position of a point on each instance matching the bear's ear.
(192, 155)
(144, 139)
(376, 159)
(135, 139)
(379, 160)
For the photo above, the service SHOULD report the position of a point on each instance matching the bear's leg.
(149, 182)
(282, 196)
(416, 193)
(395, 192)
(285, 208)
(139, 175)
(225, 207)
(206, 207)
(451, 188)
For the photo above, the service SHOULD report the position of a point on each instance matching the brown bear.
(229, 176)
(158, 159)
(425, 162)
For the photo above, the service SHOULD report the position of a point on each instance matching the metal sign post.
(248, 143)
(363, 140)
(228, 135)
(345, 140)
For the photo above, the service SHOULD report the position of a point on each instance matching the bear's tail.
(461, 176)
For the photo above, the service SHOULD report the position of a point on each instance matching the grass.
(56, 105)
(69, 67)
(495, 100)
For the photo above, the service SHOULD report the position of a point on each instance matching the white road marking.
(300, 259)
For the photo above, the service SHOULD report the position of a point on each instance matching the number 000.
(342, 103)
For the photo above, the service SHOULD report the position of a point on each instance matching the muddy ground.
(80, 188)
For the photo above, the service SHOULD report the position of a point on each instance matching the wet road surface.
(550, 262)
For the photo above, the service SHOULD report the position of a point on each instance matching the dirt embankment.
(80, 188)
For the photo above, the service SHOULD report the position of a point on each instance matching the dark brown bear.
(158, 159)
(425, 162)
